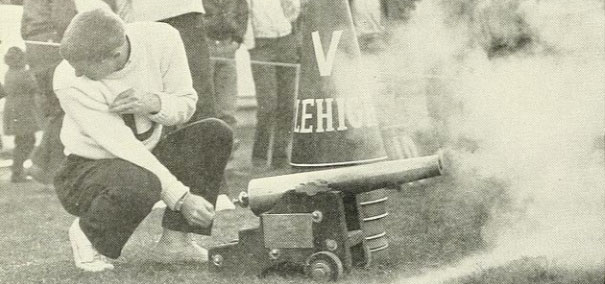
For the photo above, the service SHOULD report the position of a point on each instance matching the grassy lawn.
(430, 226)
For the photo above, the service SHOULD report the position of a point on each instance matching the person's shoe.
(38, 174)
(182, 253)
(86, 256)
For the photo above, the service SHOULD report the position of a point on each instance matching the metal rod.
(281, 64)
(47, 43)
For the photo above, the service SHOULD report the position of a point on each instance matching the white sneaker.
(86, 256)
(224, 203)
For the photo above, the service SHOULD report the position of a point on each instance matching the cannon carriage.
(325, 221)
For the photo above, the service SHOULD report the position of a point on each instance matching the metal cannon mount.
(325, 222)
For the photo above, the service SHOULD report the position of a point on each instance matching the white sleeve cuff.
(173, 194)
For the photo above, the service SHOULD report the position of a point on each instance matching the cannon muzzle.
(263, 193)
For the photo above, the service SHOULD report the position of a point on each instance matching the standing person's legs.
(265, 84)
(286, 96)
(224, 75)
(225, 85)
(55, 147)
(192, 31)
(24, 144)
(47, 157)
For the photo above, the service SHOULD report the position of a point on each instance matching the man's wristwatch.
(179, 203)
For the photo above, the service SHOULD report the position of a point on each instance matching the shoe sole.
(94, 266)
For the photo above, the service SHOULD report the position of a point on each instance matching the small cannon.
(318, 219)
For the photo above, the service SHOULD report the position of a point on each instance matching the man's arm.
(110, 133)
(178, 99)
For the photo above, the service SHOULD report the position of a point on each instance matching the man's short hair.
(92, 36)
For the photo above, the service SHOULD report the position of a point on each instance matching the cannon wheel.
(324, 266)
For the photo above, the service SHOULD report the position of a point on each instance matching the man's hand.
(135, 102)
(197, 211)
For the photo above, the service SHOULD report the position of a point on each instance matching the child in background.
(226, 23)
(20, 109)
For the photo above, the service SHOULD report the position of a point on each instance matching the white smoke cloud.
(536, 116)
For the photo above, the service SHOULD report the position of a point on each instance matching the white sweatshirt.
(269, 18)
(157, 64)
(155, 10)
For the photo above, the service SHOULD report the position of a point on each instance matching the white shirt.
(268, 18)
(155, 10)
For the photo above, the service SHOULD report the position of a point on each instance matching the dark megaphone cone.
(335, 122)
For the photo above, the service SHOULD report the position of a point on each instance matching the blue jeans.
(48, 156)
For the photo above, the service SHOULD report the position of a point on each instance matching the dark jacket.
(226, 19)
(20, 116)
(45, 21)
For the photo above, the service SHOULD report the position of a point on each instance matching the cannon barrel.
(263, 193)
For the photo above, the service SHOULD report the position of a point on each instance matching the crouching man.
(119, 85)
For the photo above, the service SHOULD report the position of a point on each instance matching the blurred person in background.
(274, 41)
(20, 110)
(367, 18)
(42, 26)
(226, 23)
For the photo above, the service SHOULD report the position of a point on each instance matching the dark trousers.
(224, 75)
(113, 196)
(191, 29)
(49, 154)
(24, 144)
(275, 95)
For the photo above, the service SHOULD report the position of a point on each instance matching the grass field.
(430, 226)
